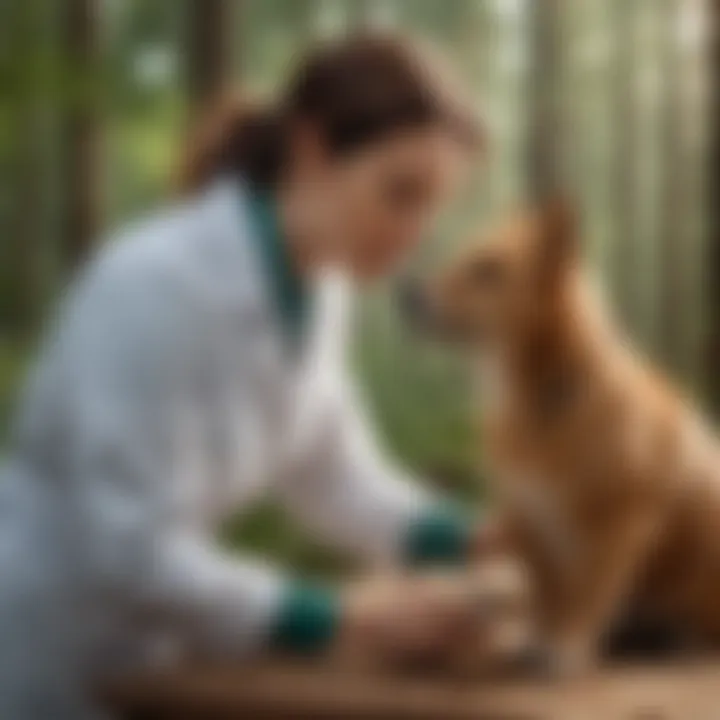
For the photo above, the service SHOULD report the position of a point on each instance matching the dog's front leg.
(611, 562)
(515, 536)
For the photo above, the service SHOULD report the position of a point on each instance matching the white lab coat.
(164, 400)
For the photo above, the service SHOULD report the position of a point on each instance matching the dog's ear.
(559, 237)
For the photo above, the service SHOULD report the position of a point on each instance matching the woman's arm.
(137, 545)
(229, 605)
(352, 495)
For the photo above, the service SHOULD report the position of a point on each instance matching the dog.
(606, 480)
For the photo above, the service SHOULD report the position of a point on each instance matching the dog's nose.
(412, 301)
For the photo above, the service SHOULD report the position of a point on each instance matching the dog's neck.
(549, 364)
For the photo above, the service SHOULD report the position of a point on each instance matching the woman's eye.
(488, 272)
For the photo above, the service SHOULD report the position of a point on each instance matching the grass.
(267, 531)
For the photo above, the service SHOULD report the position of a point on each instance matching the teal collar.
(289, 292)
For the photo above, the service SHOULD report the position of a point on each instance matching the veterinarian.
(198, 364)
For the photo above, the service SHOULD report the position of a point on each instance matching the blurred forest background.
(611, 99)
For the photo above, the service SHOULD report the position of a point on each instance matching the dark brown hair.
(354, 90)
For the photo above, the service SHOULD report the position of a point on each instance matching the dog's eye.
(488, 272)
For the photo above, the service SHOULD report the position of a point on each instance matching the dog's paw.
(570, 659)
(529, 662)
(554, 662)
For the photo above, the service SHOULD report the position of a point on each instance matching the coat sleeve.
(350, 493)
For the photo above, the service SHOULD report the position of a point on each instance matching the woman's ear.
(558, 237)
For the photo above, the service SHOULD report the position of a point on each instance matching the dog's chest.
(543, 510)
(515, 467)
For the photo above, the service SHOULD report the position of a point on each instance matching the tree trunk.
(626, 265)
(713, 204)
(672, 250)
(27, 229)
(83, 172)
(544, 152)
(208, 51)
(22, 168)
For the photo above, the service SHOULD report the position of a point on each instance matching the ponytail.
(236, 136)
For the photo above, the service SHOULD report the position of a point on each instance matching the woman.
(198, 363)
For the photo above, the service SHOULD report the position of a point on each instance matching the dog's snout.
(412, 301)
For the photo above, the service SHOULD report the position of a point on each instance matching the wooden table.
(687, 692)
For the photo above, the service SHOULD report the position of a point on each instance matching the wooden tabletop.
(688, 692)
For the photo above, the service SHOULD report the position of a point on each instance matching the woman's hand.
(405, 619)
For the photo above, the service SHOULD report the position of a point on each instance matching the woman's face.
(370, 207)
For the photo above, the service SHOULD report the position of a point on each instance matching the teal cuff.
(307, 620)
(440, 536)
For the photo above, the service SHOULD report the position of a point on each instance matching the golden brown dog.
(606, 480)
